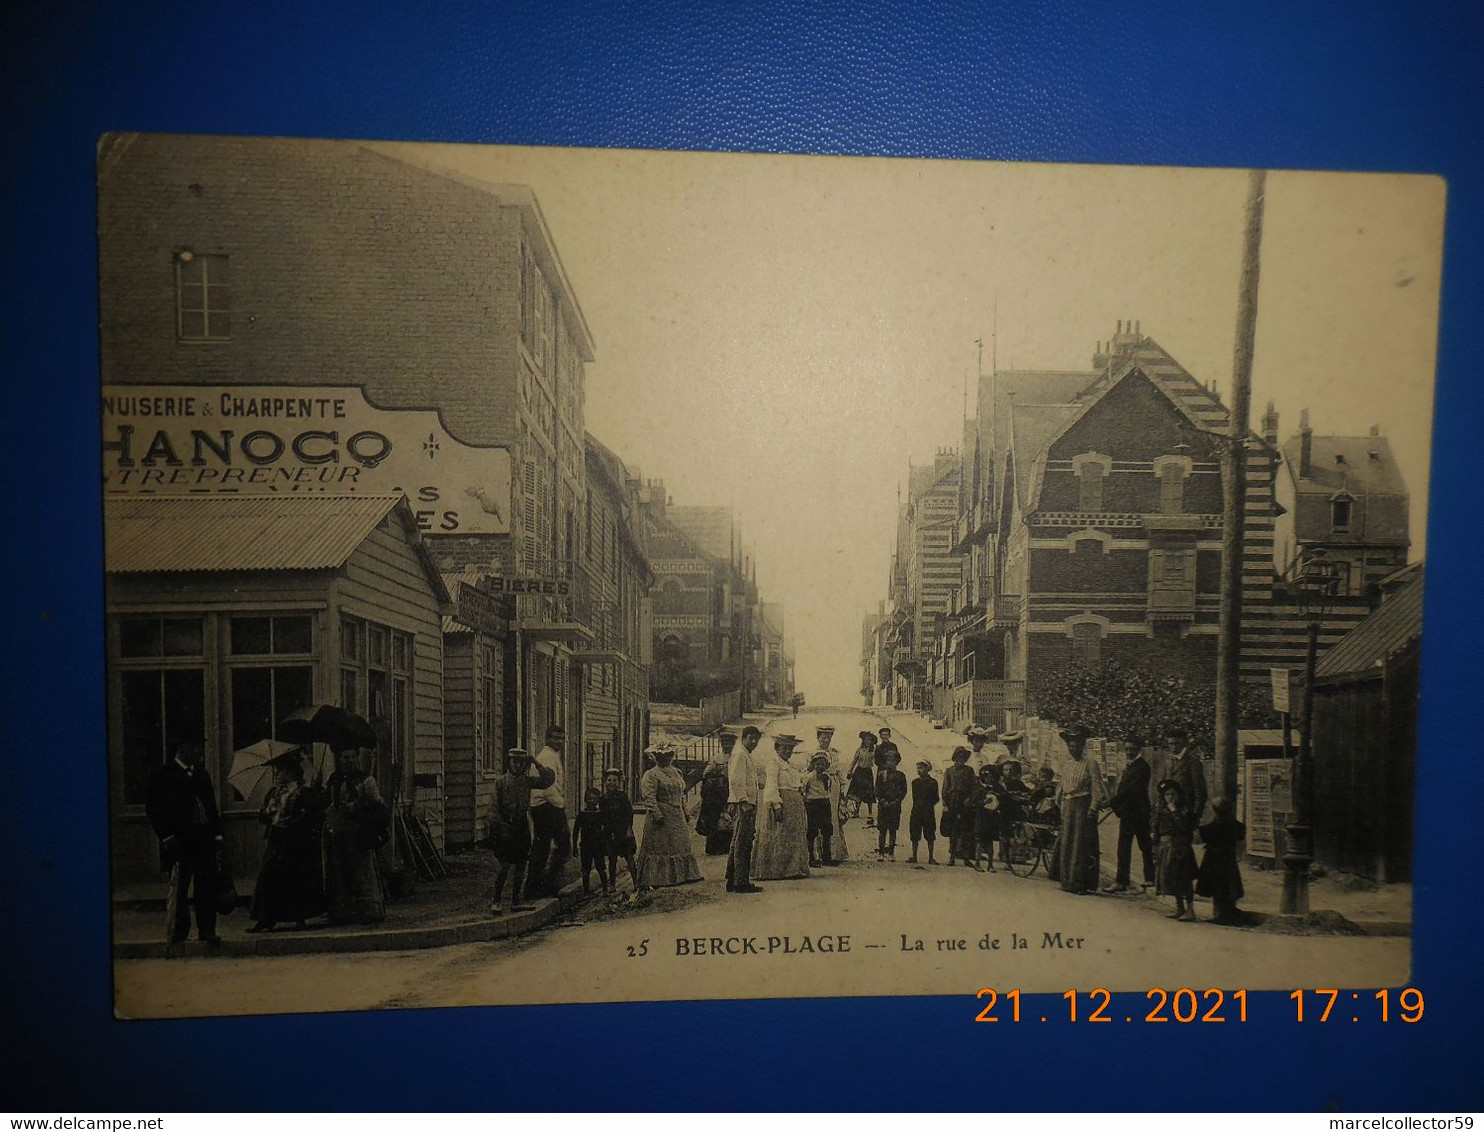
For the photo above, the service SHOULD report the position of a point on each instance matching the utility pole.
(1234, 503)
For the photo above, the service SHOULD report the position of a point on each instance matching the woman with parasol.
(289, 885)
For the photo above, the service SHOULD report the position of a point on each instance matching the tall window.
(1090, 487)
(203, 298)
(270, 674)
(1171, 489)
(487, 711)
(1087, 642)
(162, 694)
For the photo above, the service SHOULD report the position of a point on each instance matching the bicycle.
(1029, 845)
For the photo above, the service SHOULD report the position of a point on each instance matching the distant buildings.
(713, 636)
(1085, 529)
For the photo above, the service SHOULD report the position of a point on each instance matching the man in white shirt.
(742, 799)
(551, 843)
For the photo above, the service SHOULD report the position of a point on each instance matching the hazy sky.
(784, 333)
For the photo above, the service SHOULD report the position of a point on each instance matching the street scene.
(527, 583)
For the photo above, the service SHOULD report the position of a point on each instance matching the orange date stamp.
(1187, 1005)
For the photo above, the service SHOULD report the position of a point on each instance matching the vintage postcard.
(550, 575)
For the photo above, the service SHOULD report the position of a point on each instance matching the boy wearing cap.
(891, 789)
(961, 798)
(510, 824)
(923, 822)
(817, 804)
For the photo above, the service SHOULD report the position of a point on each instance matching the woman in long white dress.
(781, 851)
(665, 854)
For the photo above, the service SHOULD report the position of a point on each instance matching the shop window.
(158, 709)
(160, 636)
(263, 695)
(203, 298)
(350, 690)
(272, 636)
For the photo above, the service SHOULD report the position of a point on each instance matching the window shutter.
(529, 509)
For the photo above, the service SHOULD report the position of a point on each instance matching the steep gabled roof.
(1367, 467)
(1032, 429)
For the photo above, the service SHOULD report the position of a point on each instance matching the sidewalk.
(1344, 905)
(439, 913)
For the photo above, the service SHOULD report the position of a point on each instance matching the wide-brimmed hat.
(517, 753)
(923, 764)
(618, 770)
(726, 733)
(825, 729)
(1176, 731)
(1073, 732)
(868, 736)
(654, 750)
(961, 754)
(784, 737)
(1012, 737)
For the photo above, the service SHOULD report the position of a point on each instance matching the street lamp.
(1314, 590)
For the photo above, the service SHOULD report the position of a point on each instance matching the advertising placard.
(209, 439)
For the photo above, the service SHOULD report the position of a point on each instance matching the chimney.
(1270, 426)
(1306, 444)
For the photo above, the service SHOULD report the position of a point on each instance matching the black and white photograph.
(543, 575)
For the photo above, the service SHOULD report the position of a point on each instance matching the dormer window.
(1340, 510)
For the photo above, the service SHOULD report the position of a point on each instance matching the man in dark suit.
(181, 808)
(1184, 766)
(1131, 803)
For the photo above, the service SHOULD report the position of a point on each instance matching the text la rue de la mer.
(702, 946)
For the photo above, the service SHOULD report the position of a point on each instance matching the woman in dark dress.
(987, 817)
(1219, 876)
(289, 885)
(356, 825)
(711, 822)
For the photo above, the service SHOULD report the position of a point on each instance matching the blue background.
(1363, 86)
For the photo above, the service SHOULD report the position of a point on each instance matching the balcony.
(1004, 611)
(986, 702)
(908, 662)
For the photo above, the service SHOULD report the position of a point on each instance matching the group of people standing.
(1163, 812)
(322, 852)
(529, 835)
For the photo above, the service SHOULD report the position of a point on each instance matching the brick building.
(341, 317)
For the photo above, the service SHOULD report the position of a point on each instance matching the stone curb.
(395, 939)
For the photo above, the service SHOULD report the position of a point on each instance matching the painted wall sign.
(205, 439)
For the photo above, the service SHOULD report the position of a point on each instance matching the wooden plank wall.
(386, 581)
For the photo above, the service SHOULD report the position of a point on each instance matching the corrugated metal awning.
(166, 534)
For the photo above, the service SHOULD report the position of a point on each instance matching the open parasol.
(252, 770)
